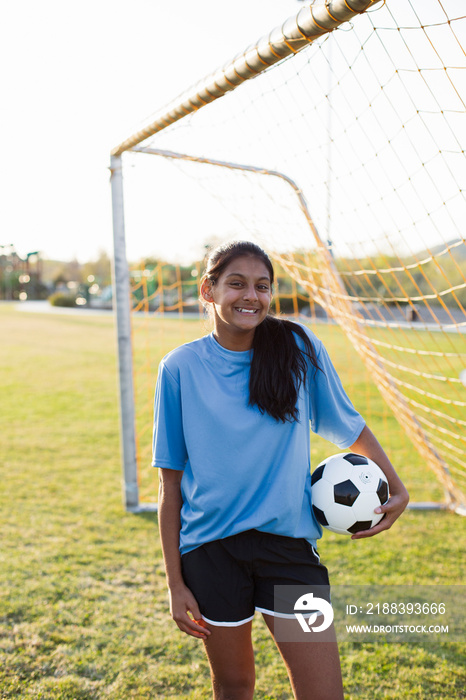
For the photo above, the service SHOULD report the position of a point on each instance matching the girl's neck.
(238, 342)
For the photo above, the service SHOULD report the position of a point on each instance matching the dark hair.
(279, 366)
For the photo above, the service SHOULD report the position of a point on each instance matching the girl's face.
(240, 301)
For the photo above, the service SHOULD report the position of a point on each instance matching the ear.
(206, 290)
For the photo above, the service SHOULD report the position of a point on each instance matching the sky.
(77, 79)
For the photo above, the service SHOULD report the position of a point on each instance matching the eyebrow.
(238, 274)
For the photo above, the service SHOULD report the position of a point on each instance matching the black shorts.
(232, 577)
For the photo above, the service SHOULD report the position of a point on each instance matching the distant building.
(20, 278)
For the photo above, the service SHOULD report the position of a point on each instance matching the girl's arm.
(182, 600)
(368, 445)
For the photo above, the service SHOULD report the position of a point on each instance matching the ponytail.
(279, 367)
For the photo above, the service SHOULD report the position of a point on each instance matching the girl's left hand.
(368, 445)
(392, 510)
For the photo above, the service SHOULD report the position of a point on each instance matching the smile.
(246, 311)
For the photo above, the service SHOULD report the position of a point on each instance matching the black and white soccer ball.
(346, 488)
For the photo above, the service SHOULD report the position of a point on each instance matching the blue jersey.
(242, 469)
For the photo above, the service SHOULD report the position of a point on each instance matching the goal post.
(122, 306)
(367, 218)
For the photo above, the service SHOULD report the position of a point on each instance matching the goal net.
(336, 142)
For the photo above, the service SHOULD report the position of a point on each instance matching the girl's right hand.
(182, 602)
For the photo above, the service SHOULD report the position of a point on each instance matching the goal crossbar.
(297, 32)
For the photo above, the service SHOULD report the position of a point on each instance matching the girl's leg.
(231, 658)
(313, 667)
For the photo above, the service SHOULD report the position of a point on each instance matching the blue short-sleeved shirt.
(242, 469)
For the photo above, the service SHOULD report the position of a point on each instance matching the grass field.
(83, 608)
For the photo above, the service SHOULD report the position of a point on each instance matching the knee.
(236, 687)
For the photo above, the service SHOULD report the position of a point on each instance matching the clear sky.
(79, 77)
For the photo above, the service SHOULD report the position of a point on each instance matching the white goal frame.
(312, 22)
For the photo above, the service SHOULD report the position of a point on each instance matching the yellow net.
(346, 162)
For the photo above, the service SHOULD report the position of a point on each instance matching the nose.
(250, 293)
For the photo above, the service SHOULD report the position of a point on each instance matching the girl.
(232, 442)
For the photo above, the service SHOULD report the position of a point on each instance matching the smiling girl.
(232, 443)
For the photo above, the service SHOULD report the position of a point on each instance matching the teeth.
(247, 311)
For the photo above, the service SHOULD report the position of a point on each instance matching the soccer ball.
(346, 488)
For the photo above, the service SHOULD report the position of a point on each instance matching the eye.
(263, 287)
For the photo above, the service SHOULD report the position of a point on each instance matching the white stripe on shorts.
(287, 616)
(227, 624)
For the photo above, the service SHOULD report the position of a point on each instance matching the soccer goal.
(337, 142)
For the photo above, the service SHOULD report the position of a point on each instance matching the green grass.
(83, 607)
